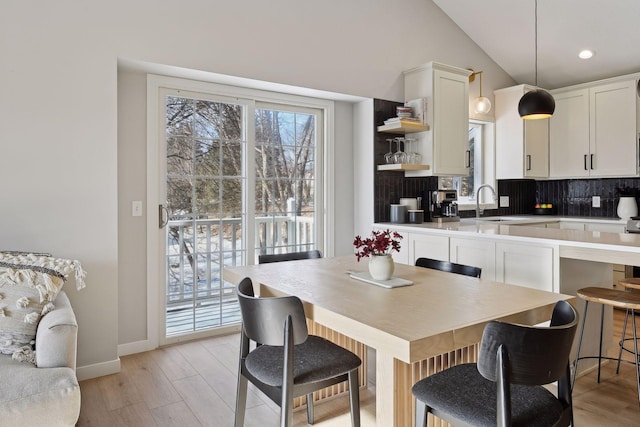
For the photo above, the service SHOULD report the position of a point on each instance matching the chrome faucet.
(478, 210)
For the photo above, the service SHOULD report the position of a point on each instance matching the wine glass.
(399, 156)
(409, 149)
(388, 157)
(416, 157)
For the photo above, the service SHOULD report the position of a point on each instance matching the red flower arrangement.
(380, 243)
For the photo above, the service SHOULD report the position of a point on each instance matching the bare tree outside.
(206, 155)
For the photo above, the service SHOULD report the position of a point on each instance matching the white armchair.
(46, 394)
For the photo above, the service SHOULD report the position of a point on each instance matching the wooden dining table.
(416, 330)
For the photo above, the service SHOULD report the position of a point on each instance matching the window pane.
(207, 202)
(204, 194)
(207, 158)
(231, 198)
(179, 155)
(285, 176)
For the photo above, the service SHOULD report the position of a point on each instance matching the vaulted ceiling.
(505, 30)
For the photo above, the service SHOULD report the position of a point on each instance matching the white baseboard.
(135, 347)
(98, 370)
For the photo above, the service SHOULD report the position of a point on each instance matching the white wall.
(59, 112)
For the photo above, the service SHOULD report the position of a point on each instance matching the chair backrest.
(263, 319)
(450, 267)
(292, 256)
(536, 355)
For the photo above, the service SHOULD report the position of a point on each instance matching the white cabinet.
(525, 265)
(593, 131)
(569, 135)
(613, 132)
(474, 252)
(522, 146)
(428, 246)
(445, 146)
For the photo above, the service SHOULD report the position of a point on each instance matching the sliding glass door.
(241, 178)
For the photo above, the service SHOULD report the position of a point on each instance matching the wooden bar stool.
(630, 283)
(614, 298)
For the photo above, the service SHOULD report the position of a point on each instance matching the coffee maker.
(443, 206)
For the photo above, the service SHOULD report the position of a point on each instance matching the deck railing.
(197, 250)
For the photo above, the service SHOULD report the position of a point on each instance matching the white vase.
(627, 207)
(381, 267)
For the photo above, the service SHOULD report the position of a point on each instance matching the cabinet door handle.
(528, 162)
(592, 161)
(585, 162)
(468, 159)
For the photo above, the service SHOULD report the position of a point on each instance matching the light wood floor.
(193, 384)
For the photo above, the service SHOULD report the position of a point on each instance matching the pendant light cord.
(536, 38)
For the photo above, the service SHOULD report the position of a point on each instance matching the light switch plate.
(136, 208)
(504, 202)
(595, 201)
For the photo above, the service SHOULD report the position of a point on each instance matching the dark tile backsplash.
(570, 197)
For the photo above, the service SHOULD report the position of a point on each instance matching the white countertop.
(514, 228)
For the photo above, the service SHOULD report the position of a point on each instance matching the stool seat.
(630, 283)
(612, 297)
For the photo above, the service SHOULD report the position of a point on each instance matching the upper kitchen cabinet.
(593, 132)
(522, 146)
(446, 146)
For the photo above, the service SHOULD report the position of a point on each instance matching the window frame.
(488, 169)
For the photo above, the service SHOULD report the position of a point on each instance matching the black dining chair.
(289, 362)
(291, 256)
(505, 388)
(450, 267)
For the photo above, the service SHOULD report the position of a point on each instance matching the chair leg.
(354, 397)
(241, 400)
(286, 413)
(310, 408)
(421, 414)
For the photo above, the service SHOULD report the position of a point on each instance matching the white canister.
(627, 207)
(410, 203)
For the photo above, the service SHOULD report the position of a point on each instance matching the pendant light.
(538, 103)
(481, 105)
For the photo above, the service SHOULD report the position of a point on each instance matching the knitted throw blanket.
(33, 261)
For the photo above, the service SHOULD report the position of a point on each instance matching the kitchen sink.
(502, 218)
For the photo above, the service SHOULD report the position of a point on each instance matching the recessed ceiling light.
(585, 54)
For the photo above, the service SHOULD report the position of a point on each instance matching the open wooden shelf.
(403, 167)
(403, 127)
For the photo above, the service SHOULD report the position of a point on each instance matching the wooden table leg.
(385, 390)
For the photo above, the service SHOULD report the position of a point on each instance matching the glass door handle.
(163, 216)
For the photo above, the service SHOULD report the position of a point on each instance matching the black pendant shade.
(536, 104)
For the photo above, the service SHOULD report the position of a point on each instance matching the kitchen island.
(557, 254)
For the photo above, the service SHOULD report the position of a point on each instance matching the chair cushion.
(314, 360)
(31, 396)
(469, 398)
